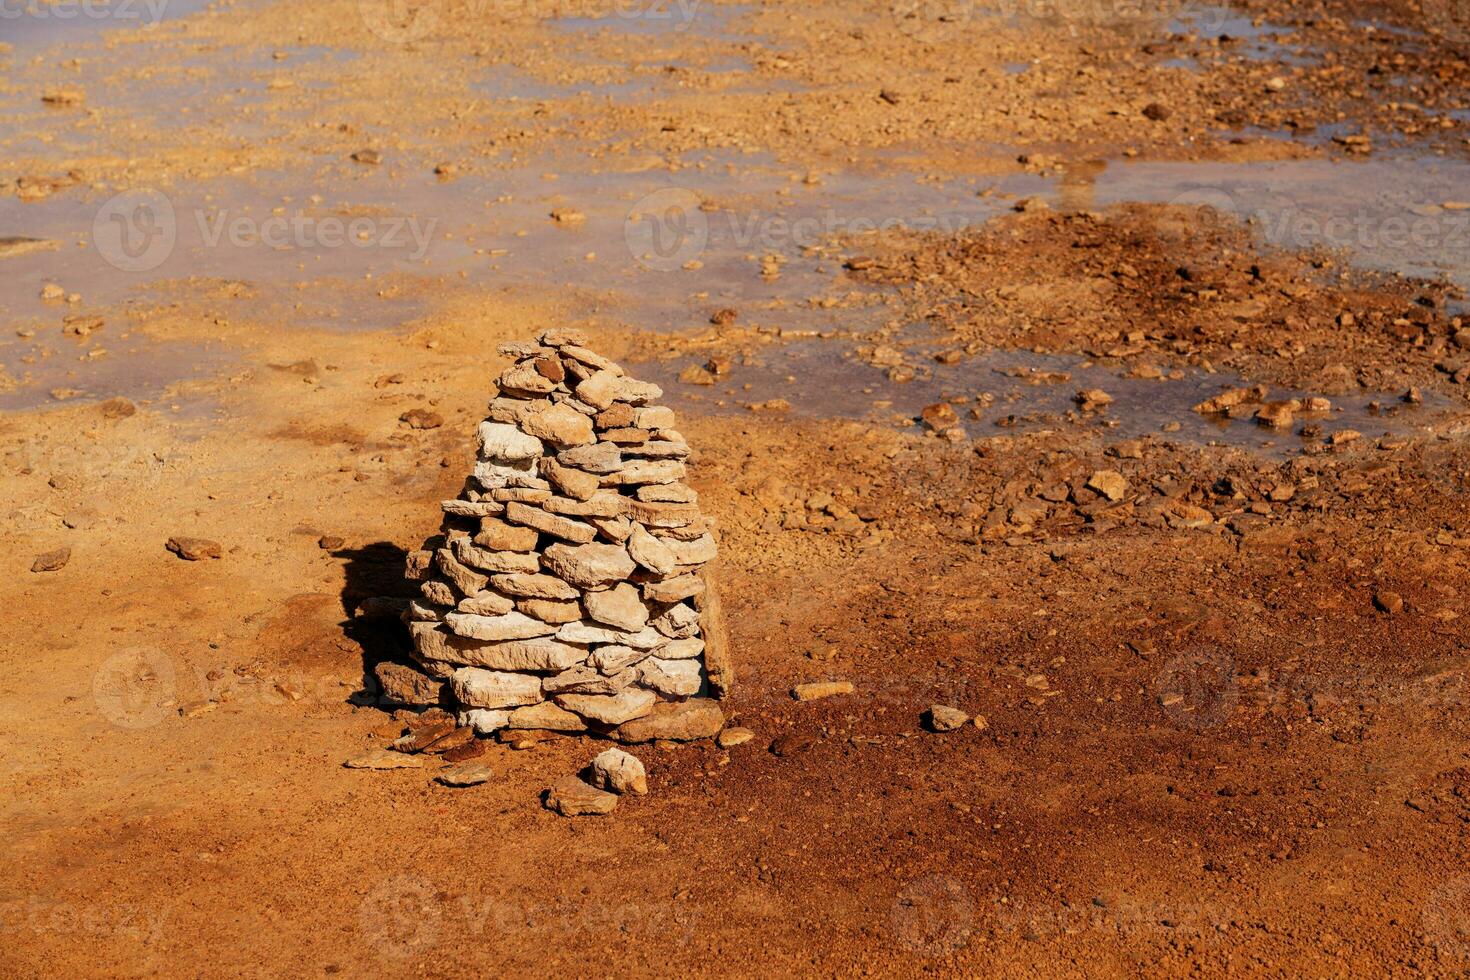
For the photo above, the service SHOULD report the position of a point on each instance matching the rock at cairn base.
(571, 586)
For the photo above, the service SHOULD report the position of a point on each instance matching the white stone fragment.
(619, 772)
(503, 441)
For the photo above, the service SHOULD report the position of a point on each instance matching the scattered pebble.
(1109, 483)
(118, 408)
(619, 772)
(943, 718)
(465, 774)
(571, 797)
(1389, 602)
(792, 743)
(821, 689)
(383, 759)
(51, 561)
(731, 737)
(421, 418)
(193, 549)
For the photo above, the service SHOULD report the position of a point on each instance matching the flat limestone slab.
(688, 721)
(571, 797)
(609, 709)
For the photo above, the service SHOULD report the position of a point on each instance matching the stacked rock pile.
(570, 589)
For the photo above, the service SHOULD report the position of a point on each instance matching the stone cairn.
(570, 589)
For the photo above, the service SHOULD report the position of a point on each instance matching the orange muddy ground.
(1223, 695)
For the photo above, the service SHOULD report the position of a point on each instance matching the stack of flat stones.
(571, 587)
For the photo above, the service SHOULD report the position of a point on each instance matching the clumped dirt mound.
(1172, 285)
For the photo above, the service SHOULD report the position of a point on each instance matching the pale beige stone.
(540, 586)
(586, 679)
(468, 581)
(603, 504)
(503, 441)
(673, 589)
(590, 633)
(619, 772)
(588, 566)
(620, 606)
(497, 535)
(602, 457)
(614, 658)
(672, 678)
(600, 390)
(697, 552)
(510, 626)
(571, 797)
(481, 688)
(1110, 483)
(685, 721)
(483, 720)
(650, 552)
(525, 379)
(486, 604)
(609, 709)
(558, 527)
(685, 649)
(546, 716)
(574, 483)
(816, 690)
(484, 560)
(551, 610)
(647, 471)
(559, 424)
(434, 642)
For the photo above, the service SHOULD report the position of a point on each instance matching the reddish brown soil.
(1225, 726)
